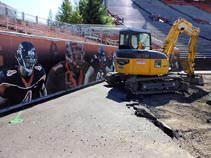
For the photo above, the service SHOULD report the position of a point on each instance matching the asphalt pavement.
(93, 122)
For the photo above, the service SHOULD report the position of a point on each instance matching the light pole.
(105, 2)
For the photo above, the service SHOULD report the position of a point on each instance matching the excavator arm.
(182, 26)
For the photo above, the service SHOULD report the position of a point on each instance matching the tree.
(86, 11)
(93, 12)
(65, 12)
(76, 17)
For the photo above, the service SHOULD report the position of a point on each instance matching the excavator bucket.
(190, 76)
(194, 79)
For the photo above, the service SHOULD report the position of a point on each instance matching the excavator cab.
(135, 57)
(133, 38)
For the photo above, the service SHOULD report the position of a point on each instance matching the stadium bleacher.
(145, 14)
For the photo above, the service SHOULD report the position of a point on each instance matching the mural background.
(51, 52)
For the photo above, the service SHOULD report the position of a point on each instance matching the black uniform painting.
(69, 73)
(25, 81)
(98, 66)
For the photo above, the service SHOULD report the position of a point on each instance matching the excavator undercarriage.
(138, 85)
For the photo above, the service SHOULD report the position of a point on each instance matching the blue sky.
(38, 8)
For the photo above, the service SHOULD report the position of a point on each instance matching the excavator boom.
(182, 26)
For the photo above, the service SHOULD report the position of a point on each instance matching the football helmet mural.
(27, 58)
(101, 55)
(74, 54)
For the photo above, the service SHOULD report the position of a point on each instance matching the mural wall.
(32, 67)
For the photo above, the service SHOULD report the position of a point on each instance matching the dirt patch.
(188, 114)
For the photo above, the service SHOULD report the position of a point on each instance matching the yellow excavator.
(145, 71)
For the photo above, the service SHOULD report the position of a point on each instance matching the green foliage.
(76, 17)
(86, 11)
(65, 12)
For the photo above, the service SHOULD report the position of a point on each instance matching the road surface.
(92, 122)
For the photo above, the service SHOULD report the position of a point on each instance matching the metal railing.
(34, 25)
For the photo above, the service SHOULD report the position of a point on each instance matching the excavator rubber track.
(138, 85)
(156, 85)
